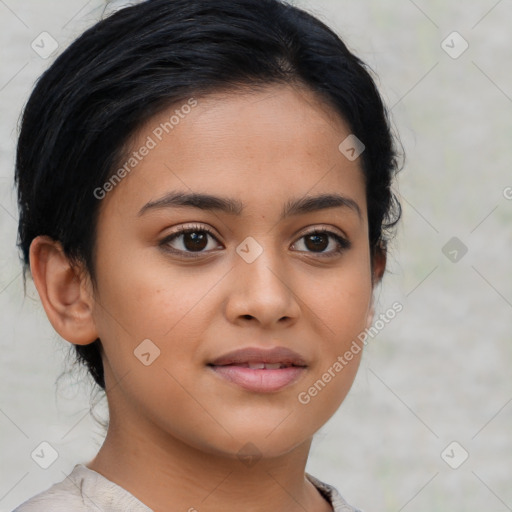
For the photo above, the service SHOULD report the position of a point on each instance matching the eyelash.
(343, 244)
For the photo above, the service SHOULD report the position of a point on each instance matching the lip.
(234, 367)
(259, 355)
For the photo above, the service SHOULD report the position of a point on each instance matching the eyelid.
(322, 228)
(342, 241)
(184, 230)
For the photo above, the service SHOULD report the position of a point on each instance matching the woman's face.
(174, 310)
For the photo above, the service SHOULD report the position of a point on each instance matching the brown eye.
(194, 239)
(319, 240)
(316, 242)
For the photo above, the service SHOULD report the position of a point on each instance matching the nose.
(262, 292)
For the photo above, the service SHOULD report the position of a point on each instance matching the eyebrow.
(230, 206)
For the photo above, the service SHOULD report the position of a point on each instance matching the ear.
(66, 296)
(379, 263)
(379, 266)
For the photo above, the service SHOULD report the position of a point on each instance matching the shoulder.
(83, 490)
(332, 495)
(64, 495)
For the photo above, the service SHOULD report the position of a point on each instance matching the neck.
(165, 473)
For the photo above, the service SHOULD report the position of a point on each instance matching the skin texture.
(176, 427)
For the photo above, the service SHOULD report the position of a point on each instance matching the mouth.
(259, 370)
(260, 365)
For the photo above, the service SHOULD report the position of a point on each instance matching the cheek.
(146, 298)
(143, 300)
(342, 306)
(345, 314)
(171, 306)
(340, 301)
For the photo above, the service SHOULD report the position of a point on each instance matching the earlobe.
(371, 314)
(67, 301)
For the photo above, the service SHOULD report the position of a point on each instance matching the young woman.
(205, 205)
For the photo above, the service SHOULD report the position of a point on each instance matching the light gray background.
(440, 371)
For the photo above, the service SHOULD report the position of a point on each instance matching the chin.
(253, 442)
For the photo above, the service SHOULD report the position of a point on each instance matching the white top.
(86, 490)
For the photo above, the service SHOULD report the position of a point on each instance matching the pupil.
(317, 241)
(198, 241)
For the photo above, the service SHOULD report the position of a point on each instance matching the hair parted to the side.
(84, 110)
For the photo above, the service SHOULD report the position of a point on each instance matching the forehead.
(262, 147)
